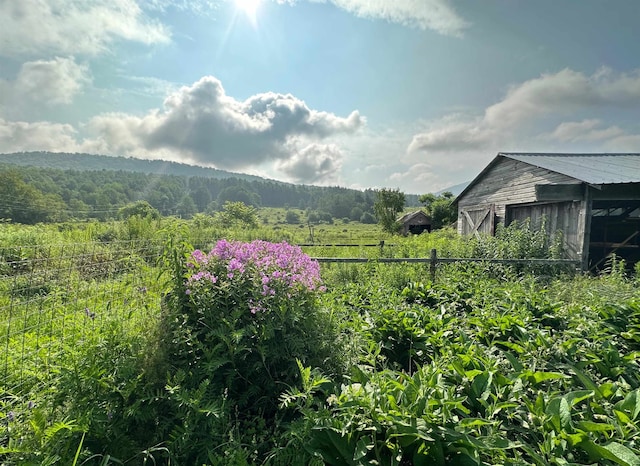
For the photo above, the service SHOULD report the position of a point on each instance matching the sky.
(417, 95)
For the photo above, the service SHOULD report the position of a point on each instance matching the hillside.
(91, 162)
(44, 187)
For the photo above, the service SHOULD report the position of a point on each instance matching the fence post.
(433, 264)
(381, 245)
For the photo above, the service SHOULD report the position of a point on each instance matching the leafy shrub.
(292, 217)
(239, 319)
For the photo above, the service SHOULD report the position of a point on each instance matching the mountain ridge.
(97, 162)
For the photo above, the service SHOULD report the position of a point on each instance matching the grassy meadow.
(120, 345)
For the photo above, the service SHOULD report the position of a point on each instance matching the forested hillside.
(90, 162)
(30, 194)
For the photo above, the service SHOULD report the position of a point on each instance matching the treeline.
(92, 162)
(33, 194)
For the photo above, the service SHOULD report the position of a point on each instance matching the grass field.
(107, 359)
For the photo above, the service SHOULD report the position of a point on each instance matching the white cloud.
(420, 178)
(201, 124)
(45, 82)
(528, 105)
(624, 143)
(453, 133)
(18, 136)
(313, 163)
(585, 130)
(67, 27)
(436, 15)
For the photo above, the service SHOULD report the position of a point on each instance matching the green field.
(113, 353)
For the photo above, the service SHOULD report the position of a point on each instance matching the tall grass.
(84, 316)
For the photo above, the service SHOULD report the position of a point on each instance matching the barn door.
(478, 220)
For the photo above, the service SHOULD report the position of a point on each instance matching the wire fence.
(56, 297)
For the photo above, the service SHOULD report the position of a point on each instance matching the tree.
(368, 218)
(238, 193)
(389, 203)
(186, 207)
(141, 208)
(292, 217)
(440, 208)
(23, 203)
(238, 213)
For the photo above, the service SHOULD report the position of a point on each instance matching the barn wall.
(509, 182)
(565, 216)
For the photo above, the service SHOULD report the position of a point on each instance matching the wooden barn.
(593, 198)
(415, 223)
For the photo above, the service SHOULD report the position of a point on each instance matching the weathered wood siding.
(563, 216)
(508, 182)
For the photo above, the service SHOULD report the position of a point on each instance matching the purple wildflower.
(11, 416)
(273, 270)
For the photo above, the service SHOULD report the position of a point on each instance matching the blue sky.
(411, 94)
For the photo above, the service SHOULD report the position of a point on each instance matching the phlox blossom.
(264, 271)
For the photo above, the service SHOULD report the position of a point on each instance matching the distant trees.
(238, 193)
(23, 203)
(389, 203)
(440, 208)
(51, 194)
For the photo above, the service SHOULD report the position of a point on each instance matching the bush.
(239, 320)
(292, 217)
(368, 218)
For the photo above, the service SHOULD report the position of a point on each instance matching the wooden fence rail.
(434, 260)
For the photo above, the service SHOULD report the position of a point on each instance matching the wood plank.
(559, 192)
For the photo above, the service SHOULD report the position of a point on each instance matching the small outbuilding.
(593, 198)
(415, 223)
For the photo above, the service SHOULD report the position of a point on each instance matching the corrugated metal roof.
(590, 168)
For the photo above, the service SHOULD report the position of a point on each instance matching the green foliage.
(238, 214)
(367, 218)
(106, 361)
(24, 203)
(140, 208)
(237, 319)
(479, 372)
(440, 208)
(292, 217)
(389, 203)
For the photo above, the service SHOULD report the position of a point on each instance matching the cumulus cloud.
(67, 27)
(453, 133)
(47, 82)
(437, 15)
(18, 136)
(527, 105)
(313, 163)
(204, 125)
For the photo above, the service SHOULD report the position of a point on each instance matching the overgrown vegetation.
(237, 355)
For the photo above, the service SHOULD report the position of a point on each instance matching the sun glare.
(250, 7)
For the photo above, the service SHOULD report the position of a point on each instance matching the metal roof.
(590, 168)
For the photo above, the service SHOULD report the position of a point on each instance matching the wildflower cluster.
(260, 273)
